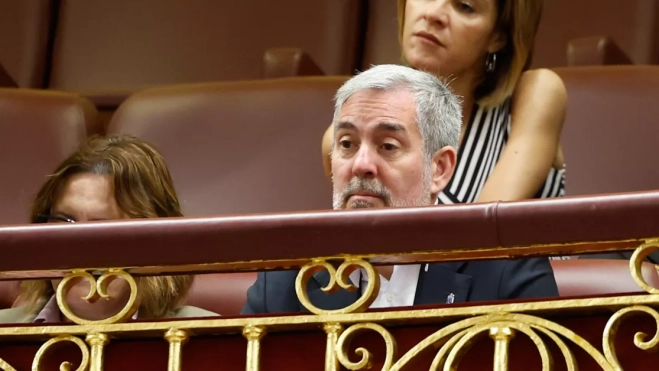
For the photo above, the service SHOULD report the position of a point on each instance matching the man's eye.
(389, 147)
(345, 144)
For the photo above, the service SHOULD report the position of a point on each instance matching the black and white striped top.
(484, 140)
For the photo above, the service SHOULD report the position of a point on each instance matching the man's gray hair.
(438, 110)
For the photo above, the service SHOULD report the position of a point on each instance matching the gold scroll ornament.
(450, 344)
(37, 363)
(339, 278)
(97, 340)
(97, 290)
(455, 340)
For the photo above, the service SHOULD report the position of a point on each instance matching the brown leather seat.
(38, 130)
(595, 51)
(224, 294)
(24, 33)
(611, 128)
(381, 40)
(240, 147)
(8, 293)
(289, 62)
(590, 277)
(632, 24)
(164, 42)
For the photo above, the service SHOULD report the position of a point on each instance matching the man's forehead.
(371, 105)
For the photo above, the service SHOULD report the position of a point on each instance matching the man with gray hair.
(396, 131)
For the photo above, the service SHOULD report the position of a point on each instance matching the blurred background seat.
(611, 128)
(38, 130)
(239, 147)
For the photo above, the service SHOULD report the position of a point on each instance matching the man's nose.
(365, 165)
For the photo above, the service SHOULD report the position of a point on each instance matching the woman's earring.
(491, 62)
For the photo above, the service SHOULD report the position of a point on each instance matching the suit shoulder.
(528, 278)
(512, 279)
(279, 278)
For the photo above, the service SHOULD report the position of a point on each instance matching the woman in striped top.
(512, 116)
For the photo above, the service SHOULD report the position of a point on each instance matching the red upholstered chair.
(595, 51)
(166, 42)
(38, 130)
(611, 128)
(224, 294)
(24, 33)
(8, 293)
(633, 24)
(381, 39)
(590, 277)
(289, 62)
(239, 147)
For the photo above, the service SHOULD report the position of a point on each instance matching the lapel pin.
(450, 298)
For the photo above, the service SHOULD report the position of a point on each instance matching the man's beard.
(376, 189)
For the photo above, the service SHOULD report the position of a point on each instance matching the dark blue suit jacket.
(274, 292)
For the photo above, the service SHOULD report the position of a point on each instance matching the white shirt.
(397, 292)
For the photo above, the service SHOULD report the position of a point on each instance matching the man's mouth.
(364, 196)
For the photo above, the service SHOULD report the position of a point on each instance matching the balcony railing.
(563, 333)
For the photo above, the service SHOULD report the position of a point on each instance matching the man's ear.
(443, 166)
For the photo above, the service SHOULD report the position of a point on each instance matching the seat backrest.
(611, 128)
(590, 277)
(164, 42)
(239, 147)
(595, 51)
(381, 40)
(24, 33)
(8, 293)
(632, 24)
(221, 293)
(38, 130)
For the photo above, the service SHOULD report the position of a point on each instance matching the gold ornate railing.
(455, 329)
(501, 322)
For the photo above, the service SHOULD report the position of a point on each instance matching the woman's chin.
(424, 63)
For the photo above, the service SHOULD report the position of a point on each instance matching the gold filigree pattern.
(339, 278)
(636, 264)
(97, 290)
(366, 361)
(466, 325)
(4, 366)
(612, 326)
(456, 339)
(37, 363)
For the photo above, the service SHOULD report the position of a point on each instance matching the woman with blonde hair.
(106, 179)
(512, 116)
